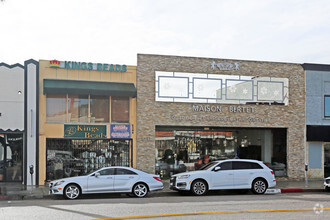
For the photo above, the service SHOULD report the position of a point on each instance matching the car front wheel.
(259, 186)
(140, 190)
(199, 188)
(71, 191)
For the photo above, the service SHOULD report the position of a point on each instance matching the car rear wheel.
(199, 188)
(71, 191)
(259, 186)
(140, 190)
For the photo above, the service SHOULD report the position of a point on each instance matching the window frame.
(66, 121)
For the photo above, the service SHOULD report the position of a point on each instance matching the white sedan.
(226, 174)
(108, 180)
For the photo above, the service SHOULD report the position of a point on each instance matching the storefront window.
(120, 110)
(99, 109)
(56, 108)
(78, 108)
(327, 106)
(71, 157)
(179, 150)
(11, 157)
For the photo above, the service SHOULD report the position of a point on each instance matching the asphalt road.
(220, 205)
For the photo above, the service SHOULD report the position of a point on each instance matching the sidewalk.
(15, 191)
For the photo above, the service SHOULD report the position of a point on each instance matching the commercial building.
(193, 110)
(18, 122)
(87, 117)
(318, 119)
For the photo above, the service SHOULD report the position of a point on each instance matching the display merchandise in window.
(186, 150)
(68, 157)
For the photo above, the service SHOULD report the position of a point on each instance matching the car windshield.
(208, 166)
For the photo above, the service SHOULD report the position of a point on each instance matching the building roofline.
(317, 67)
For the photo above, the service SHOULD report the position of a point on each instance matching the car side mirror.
(217, 169)
(97, 174)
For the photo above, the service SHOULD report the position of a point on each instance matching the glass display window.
(74, 157)
(119, 109)
(78, 108)
(186, 149)
(56, 108)
(99, 109)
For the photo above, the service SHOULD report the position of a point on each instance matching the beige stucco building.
(87, 117)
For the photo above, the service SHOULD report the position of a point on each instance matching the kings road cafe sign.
(73, 65)
(85, 131)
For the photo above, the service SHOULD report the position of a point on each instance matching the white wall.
(11, 102)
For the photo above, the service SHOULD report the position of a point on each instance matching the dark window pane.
(256, 166)
(241, 165)
(107, 172)
(327, 106)
(121, 171)
(120, 109)
(56, 108)
(226, 166)
(246, 165)
(99, 109)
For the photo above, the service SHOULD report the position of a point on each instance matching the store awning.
(80, 87)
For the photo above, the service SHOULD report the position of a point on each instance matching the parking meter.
(31, 169)
(306, 177)
(31, 172)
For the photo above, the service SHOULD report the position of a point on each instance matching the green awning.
(80, 87)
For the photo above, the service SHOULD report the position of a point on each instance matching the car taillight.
(157, 178)
(272, 172)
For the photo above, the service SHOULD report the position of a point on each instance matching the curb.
(298, 190)
(160, 194)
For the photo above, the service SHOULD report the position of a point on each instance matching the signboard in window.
(121, 131)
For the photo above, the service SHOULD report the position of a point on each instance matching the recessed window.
(78, 108)
(120, 110)
(56, 108)
(327, 106)
(99, 109)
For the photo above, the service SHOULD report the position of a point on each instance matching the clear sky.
(115, 31)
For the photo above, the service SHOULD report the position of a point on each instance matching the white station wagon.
(226, 174)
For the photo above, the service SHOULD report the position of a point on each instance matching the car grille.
(173, 181)
(327, 181)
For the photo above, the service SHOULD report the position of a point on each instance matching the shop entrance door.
(11, 157)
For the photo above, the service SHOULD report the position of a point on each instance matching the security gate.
(75, 157)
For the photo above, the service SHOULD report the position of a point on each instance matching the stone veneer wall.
(151, 113)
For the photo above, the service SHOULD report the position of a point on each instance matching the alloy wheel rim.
(199, 188)
(140, 190)
(260, 187)
(72, 192)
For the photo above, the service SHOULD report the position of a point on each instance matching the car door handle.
(230, 174)
(251, 173)
(109, 177)
(131, 177)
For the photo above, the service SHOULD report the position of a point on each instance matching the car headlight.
(184, 177)
(59, 183)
